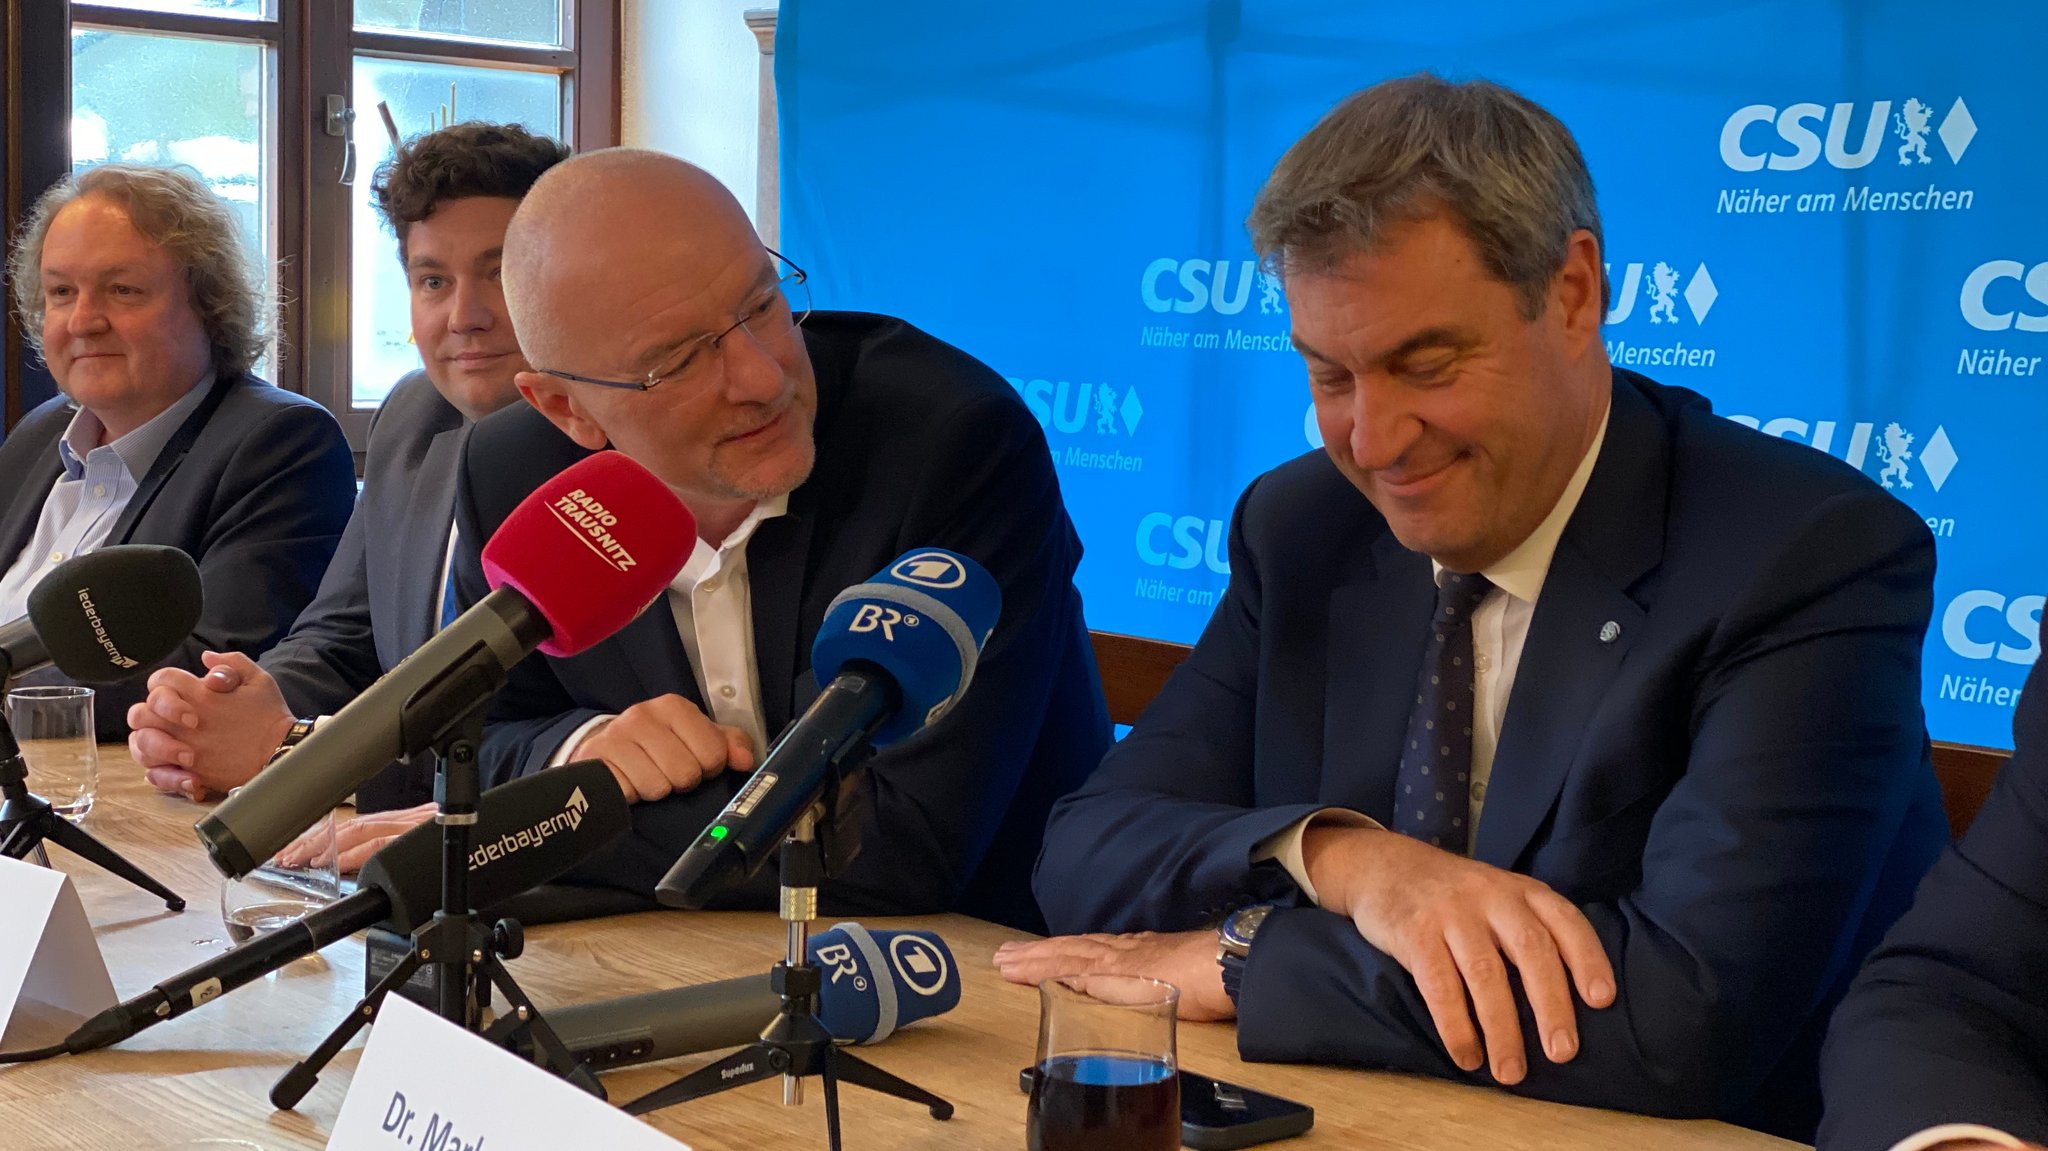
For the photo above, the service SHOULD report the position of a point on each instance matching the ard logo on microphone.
(930, 569)
(592, 524)
(920, 966)
(880, 617)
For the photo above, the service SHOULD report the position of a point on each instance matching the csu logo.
(880, 617)
(1184, 542)
(1070, 408)
(1661, 288)
(2012, 635)
(1801, 126)
(2024, 305)
(1222, 286)
(1896, 446)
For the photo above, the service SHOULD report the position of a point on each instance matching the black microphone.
(105, 616)
(874, 983)
(895, 654)
(576, 561)
(527, 832)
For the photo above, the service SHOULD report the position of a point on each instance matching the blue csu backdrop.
(1828, 217)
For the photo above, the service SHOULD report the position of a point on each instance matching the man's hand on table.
(1185, 959)
(203, 735)
(665, 745)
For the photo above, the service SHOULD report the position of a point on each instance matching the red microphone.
(576, 561)
(591, 548)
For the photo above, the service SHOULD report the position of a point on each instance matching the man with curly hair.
(133, 284)
(446, 196)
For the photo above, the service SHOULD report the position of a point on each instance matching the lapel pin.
(1610, 631)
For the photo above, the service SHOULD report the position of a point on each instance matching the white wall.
(690, 74)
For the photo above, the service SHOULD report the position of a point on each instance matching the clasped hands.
(204, 735)
(1455, 925)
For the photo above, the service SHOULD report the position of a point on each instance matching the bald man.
(812, 448)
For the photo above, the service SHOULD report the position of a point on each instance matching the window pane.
(143, 98)
(253, 9)
(380, 331)
(515, 21)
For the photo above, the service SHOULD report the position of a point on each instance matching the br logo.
(1895, 451)
(876, 617)
(1912, 123)
(1663, 290)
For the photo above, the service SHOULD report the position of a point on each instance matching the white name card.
(52, 977)
(425, 1084)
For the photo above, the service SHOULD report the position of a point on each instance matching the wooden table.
(209, 1072)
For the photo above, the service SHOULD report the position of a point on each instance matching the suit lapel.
(775, 579)
(423, 538)
(652, 649)
(167, 461)
(1376, 632)
(1584, 624)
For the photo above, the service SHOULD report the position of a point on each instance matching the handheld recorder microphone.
(895, 653)
(576, 561)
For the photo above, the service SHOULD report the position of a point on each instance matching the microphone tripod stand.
(27, 819)
(794, 1045)
(468, 955)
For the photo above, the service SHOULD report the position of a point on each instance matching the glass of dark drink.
(1106, 1066)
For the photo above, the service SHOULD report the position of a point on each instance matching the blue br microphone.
(874, 983)
(895, 654)
(878, 981)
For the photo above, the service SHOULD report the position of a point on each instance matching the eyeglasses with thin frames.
(772, 313)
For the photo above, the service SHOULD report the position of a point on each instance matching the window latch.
(340, 121)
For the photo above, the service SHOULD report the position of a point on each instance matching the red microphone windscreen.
(591, 548)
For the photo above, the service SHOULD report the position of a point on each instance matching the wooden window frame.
(316, 43)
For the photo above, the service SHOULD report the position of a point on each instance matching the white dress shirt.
(1500, 627)
(90, 494)
(713, 604)
(1955, 1133)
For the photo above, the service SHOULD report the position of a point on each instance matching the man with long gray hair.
(133, 283)
(1553, 732)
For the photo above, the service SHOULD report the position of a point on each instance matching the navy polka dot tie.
(1433, 790)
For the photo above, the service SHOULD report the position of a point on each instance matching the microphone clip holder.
(795, 1044)
(27, 820)
(468, 954)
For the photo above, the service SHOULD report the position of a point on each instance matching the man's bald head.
(594, 216)
(624, 266)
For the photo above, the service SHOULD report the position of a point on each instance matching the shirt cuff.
(567, 752)
(1284, 845)
(1955, 1133)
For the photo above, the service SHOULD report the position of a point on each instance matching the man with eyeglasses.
(812, 448)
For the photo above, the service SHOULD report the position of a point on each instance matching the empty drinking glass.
(302, 879)
(54, 726)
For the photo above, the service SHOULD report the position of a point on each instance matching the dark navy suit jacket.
(1948, 1023)
(255, 485)
(918, 445)
(1733, 786)
(381, 597)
